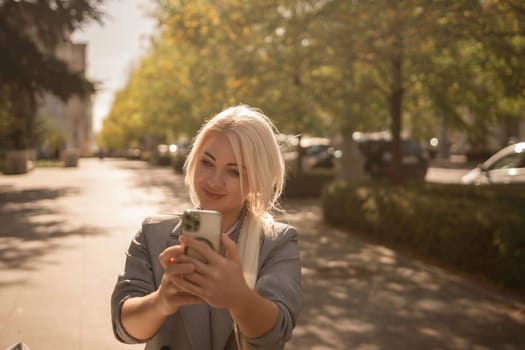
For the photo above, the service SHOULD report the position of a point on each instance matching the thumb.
(230, 248)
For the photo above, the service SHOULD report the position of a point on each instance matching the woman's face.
(217, 178)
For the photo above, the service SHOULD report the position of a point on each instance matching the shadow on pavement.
(31, 225)
(363, 296)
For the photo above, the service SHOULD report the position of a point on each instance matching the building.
(71, 121)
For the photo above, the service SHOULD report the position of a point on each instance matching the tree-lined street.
(427, 69)
(446, 72)
(64, 233)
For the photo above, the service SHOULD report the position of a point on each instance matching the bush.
(162, 159)
(146, 156)
(177, 161)
(478, 230)
(307, 184)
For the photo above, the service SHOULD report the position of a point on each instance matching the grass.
(48, 163)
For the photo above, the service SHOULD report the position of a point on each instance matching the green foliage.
(49, 163)
(307, 184)
(30, 31)
(329, 68)
(478, 230)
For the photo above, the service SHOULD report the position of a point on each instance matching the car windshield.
(316, 149)
(513, 160)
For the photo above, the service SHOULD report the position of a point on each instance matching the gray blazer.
(201, 327)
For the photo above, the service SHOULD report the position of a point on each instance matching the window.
(513, 160)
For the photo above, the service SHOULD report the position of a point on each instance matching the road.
(64, 232)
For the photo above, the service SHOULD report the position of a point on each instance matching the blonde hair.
(253, 138)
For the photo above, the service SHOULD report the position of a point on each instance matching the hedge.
(476, 229)
(307, 184)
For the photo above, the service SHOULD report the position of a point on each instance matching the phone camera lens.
(192, 222)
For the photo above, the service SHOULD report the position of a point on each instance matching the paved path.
(63, 233)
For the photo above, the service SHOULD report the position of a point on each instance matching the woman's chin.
(210, 205)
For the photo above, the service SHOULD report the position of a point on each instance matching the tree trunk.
(300, 156)
(350, 167)
(444, 149)
(396, 104)
(299, 119)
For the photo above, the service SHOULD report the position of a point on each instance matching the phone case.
(204, 225)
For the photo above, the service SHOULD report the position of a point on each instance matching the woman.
(247, 299)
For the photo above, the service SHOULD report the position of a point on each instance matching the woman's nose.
(216, 179)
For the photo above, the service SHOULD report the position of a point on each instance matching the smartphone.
(204, 225)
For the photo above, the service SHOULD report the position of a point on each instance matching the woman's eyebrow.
(209, 155)
(213, 158)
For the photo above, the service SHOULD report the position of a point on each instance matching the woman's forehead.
(218, 145)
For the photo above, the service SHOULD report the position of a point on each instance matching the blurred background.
(121, 78)
(403, 126)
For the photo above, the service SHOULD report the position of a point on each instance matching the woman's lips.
(213, 195)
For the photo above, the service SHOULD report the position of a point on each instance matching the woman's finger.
(185, 299)
(169, 255)
(186, 286)
(197, 279)
(200, 247)
(200, 267)
(179, 268)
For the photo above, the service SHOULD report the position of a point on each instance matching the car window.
(513, 160)
(520, 162)
(410, 148)
(312, 150)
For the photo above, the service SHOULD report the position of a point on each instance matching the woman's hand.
(169, 296)
(219, 282)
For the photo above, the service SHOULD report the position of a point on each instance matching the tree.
(265, 45)
(320, 66)
(182, 79)
(393, 55)
(30, 31)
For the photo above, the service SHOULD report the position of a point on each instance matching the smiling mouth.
(213, 195)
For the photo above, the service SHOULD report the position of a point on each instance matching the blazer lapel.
(173, 238)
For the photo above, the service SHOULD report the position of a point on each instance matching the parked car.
(317, 152)
(505, 166)
(378, 158)
(377, 153)
(319, 156)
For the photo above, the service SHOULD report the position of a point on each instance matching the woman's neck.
(230, 221)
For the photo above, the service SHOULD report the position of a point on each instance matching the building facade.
(70, 121)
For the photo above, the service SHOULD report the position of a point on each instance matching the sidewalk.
(64, 233)
(362, 296)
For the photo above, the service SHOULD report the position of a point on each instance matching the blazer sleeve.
(136, 280)
(280, 281)
(142, 270)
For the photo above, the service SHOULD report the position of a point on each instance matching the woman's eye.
(233, 172)
(206, 163)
